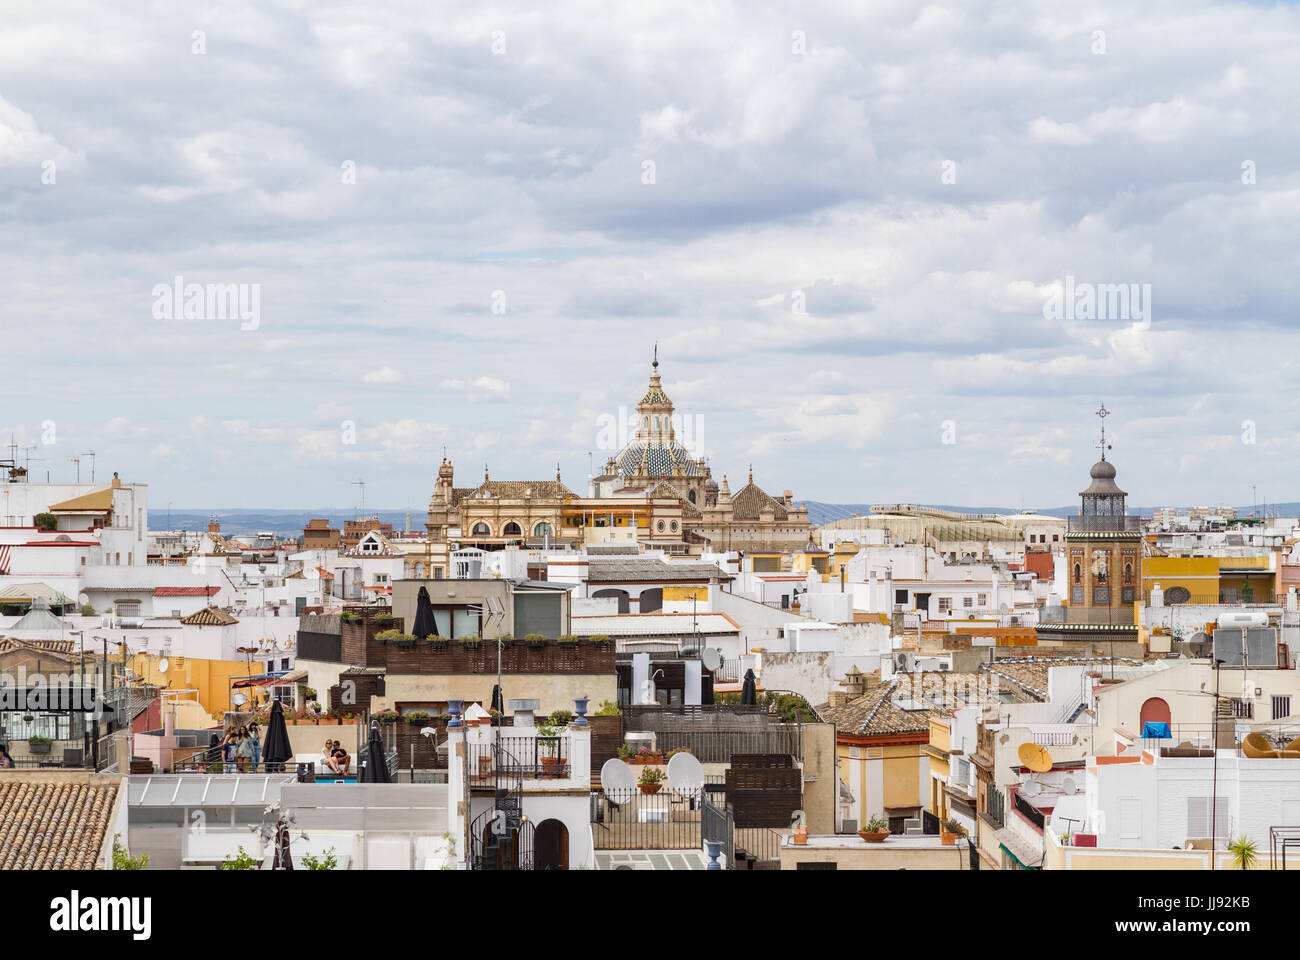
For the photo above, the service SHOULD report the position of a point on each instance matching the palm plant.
(1244, 852)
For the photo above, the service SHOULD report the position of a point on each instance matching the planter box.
(649, 787)
(38, 747)
(876, 836)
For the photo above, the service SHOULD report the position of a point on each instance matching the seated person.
(341, 758)
(327, 761)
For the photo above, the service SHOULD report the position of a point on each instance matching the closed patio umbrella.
(276, 751)
(424, 623)
(749, 689)
(376, 768)
(498, 704)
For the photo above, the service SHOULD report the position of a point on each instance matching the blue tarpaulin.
(1155, 730)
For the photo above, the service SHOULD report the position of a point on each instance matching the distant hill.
(823, 513)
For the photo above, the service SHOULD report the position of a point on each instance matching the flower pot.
(874, 836)
(947, 839)
(38, 747)
(649, 787)
(551, 768)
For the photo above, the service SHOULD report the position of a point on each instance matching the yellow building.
(1211, 580)
(880, 753)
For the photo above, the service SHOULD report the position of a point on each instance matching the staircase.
(508, 847)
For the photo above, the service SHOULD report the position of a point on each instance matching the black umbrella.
(276, 751)
(376, 768)
(424, 624)
(498, 704)
(749, 689)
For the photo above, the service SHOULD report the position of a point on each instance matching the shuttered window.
(1198, 817)
(537, 613)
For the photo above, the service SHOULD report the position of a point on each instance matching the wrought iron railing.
(623, 819)
(527, 758)
(1122, 524)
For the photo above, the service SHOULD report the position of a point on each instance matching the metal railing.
(623, 819)
(529, 758)
(1112, 524)
(718, 746)
(1030, 812)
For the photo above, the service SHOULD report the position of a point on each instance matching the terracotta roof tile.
(49, 823)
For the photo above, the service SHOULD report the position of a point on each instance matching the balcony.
(518, 758)
(1078, 524)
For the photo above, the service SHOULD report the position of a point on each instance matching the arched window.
(691, 496)
(511, 530)
(419, 571)
(1128, 573)
(543, 529)
(1078, 573)
(480, 530)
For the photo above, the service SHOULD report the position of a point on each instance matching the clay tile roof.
(61, 649)
(185, 591)
(514, 490)
(752, 500)
(53, 823)
(874, 713)
(209, 617)
(100, 501)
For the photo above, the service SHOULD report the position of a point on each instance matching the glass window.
(464, 623)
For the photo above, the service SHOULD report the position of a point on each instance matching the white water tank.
(1258, 619)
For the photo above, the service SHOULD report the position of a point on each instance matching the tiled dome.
(656, 459)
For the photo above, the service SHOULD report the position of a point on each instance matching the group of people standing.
(240, 748)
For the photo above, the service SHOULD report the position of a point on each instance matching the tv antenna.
(362, 485)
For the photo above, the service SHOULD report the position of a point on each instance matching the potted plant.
(625, 751)
(417, 717)
(437, 642)
(28, 718)
(646, 755)
(535, 640)
(506, 640)
(651, 780)
(949, 831)
(876, 830)
(598, 640)
(39, 744)
(348, 616)
(386, 717)
(548, 748)
(560, 718)
(470, 642)
(567, 640)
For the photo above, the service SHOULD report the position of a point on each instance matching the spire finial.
(557, 471)
(751, 473)
(485, 473)
(656, 357)
(1102, 414)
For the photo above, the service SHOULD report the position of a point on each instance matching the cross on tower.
(1101, 444)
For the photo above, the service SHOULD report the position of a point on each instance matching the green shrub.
(124, 861)
(325, 862)
(46, 521)
(244, 861)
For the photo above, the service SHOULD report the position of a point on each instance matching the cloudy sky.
(467, 226)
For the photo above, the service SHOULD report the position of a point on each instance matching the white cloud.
(478, 389)
(382, 375)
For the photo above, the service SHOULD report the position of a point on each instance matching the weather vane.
(1103, 413)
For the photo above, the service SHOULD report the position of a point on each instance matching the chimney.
(117, 484)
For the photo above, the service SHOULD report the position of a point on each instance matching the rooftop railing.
(1078, 524)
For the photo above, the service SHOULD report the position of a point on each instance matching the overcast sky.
(855, 219)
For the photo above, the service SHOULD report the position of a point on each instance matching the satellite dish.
(712, 659)
(1036, 758)
(1069, 787)
(1030, 788)
(239, 699)
(685, 774)
(162, 665)
(617, 775)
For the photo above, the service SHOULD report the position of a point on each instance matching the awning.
(1018, 848)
